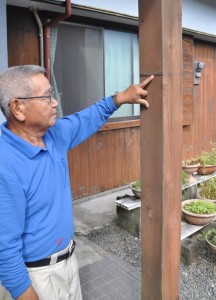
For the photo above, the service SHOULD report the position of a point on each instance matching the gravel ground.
(197, 281)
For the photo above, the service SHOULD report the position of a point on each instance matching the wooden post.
(160, 34)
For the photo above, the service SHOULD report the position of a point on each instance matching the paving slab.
(110, 278)
(88, 252)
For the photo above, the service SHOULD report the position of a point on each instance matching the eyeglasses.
(50, 97)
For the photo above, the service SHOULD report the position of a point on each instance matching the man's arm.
(13, 273)
(80, 126)
(29, 294)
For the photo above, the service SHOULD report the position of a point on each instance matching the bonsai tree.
(207, 161)
(189, 161)
(136, 185)
(136, 188)
(208, 189)
(210, 236)
(208, 157)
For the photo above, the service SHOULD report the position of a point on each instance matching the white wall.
(129, 7)
(198, 15)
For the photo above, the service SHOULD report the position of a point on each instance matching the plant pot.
(206, 170)
(196, 219)
(190, 169)
(136, 192)
(211, 247)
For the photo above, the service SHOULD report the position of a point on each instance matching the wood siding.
(110, 158)
(23, 43)
(187, 46)
(202, 131)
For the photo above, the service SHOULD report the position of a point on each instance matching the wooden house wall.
(23, 42)
(111, 158)
(202, 131)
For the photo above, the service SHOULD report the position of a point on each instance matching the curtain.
(79, 66)
(121, 65)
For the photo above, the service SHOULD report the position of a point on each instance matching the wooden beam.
(161, 148)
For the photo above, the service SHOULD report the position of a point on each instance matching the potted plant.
(210, 237)
(207, 190)
(198, 212)
(190, 165)
(207, 161)
(136, 188)
(136, 185)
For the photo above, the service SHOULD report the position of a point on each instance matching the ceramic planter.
(190, 169)
(211, 247)
(206, 170)
(196, 219)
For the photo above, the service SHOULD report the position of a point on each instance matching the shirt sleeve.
(78, 127)
(13, 273)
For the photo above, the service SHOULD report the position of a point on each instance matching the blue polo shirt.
(35, 196)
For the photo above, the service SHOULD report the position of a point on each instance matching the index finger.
(146, 81)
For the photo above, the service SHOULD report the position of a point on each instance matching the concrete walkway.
(90, 213)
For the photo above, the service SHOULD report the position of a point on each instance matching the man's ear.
(17, 108)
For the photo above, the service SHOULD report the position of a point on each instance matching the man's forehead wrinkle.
(38, 87)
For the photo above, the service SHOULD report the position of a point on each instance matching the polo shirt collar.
(21, 145)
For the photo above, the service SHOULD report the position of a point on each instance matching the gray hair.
(16, 82)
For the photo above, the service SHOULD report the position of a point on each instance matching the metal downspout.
(46, 30)
(40, 27)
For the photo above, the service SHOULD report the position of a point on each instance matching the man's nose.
(54, 102)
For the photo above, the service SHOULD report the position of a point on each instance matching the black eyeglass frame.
(50, 97)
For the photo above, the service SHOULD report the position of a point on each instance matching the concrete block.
(129, 220)
(189, 251)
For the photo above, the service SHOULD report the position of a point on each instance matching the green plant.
(208, 189)
(185, 178)
(208, 157)
(190, 161)
(210, 235)
(137, 185)
(201, 207)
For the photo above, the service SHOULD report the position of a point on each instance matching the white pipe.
(40, 27)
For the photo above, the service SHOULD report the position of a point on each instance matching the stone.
(189, 251)
(129, 220)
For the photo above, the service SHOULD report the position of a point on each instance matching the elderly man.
(36, 221)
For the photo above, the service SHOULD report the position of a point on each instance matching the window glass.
(78, 66)
(121, 66)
